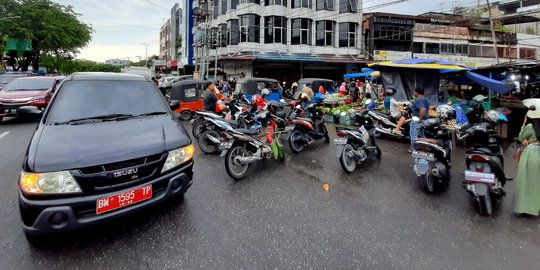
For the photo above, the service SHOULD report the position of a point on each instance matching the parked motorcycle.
(236, 107)
(248, 148)
(354, 146)
(433, 152)
(385, 123)
(484, 174)
(303, 130)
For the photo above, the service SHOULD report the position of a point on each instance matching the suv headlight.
(48, 183)
(178, 156)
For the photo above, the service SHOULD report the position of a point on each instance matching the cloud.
(121, 27)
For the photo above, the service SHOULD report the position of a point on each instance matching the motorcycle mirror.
(415, 118)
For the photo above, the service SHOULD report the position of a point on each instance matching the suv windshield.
(33, 84)
(88, 99)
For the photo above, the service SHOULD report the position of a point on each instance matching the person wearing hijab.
(343, 89)
(527, 196)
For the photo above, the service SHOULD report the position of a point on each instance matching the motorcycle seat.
(251, 131)
(385, 115)
(304, 119)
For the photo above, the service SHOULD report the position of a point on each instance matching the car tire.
(186, 115)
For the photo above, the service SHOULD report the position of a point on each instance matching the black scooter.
(354, 146)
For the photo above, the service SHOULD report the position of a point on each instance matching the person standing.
(209, 99)
(527, 196)
(309, 92)
(420, 109)
(353, 91)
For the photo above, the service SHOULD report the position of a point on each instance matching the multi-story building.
(165, 41)
(176, 37)
(281, 39)
(443, 36)
(117, 62)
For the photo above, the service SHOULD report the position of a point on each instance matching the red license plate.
(123, 199)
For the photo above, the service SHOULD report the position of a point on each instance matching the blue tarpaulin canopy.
(493, 85)
(366, 72)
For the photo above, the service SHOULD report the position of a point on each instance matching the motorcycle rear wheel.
(234, 170)
(295, 141)
(206, 145)
(347, 163)
(485, 205)
(427, 183)
(197, 128)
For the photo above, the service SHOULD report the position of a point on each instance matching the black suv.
(106, 146)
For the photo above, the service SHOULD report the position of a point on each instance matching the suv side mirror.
(30, 113)
(174, 104)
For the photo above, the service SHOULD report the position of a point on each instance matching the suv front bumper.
(66, 214)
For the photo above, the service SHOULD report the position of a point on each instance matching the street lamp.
(11, 17)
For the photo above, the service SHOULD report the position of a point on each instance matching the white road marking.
(4, 134)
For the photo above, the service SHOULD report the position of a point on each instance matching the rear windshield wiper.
(106, 117)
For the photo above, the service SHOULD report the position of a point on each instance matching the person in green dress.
(528, 177)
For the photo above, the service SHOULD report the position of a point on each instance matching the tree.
(67, 65)
(53, 29)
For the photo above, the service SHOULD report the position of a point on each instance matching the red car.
(26, 91)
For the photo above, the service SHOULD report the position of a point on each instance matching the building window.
(418, 47)
(462, 49)
(275, 29)
(223, 7)
(348, 6)
(325, 4)
(528, 53)
(233, 32)
(275, 2)
(301, 31)
(249, 28)
(249, 1)
(347, 34)
(301, 3)
(324, 35)
(432, 48)
(223, 35)
(234, 3)
(214, 37)
(216, 8)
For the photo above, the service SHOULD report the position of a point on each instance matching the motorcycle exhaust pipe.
(383, 130)
(248, 160)
(213, 139)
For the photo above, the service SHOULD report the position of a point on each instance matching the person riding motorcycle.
(394, 111)
(320, 96)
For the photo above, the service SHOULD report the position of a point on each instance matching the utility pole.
(493, 36)
(145, 54)
(216, 50)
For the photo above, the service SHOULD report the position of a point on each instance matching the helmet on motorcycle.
(258, 101)
(445, 112)
(494, 117)
(265, 93)
(477, 107)
(390, 92)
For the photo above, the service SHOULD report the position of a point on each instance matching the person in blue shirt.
(420, 109)
(319, 97)
(369, 103)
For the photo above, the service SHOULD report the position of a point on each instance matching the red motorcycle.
(305, 127)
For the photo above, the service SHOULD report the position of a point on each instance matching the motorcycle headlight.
(178, 156)
(48, 183)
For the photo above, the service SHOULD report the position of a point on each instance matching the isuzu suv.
(106, 146)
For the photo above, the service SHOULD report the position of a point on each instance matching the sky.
(121, 29)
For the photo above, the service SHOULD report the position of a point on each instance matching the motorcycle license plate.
(488, 178)
(423, 155)
(422, 161)
(365, 134)
(340, 141)
(123, 199)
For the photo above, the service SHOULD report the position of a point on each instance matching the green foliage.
(66, 65)
(499, 27)
(53, 28)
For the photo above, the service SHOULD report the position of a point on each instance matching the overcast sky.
(122, 26)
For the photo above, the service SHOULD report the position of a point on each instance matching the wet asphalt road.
(280, 217)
